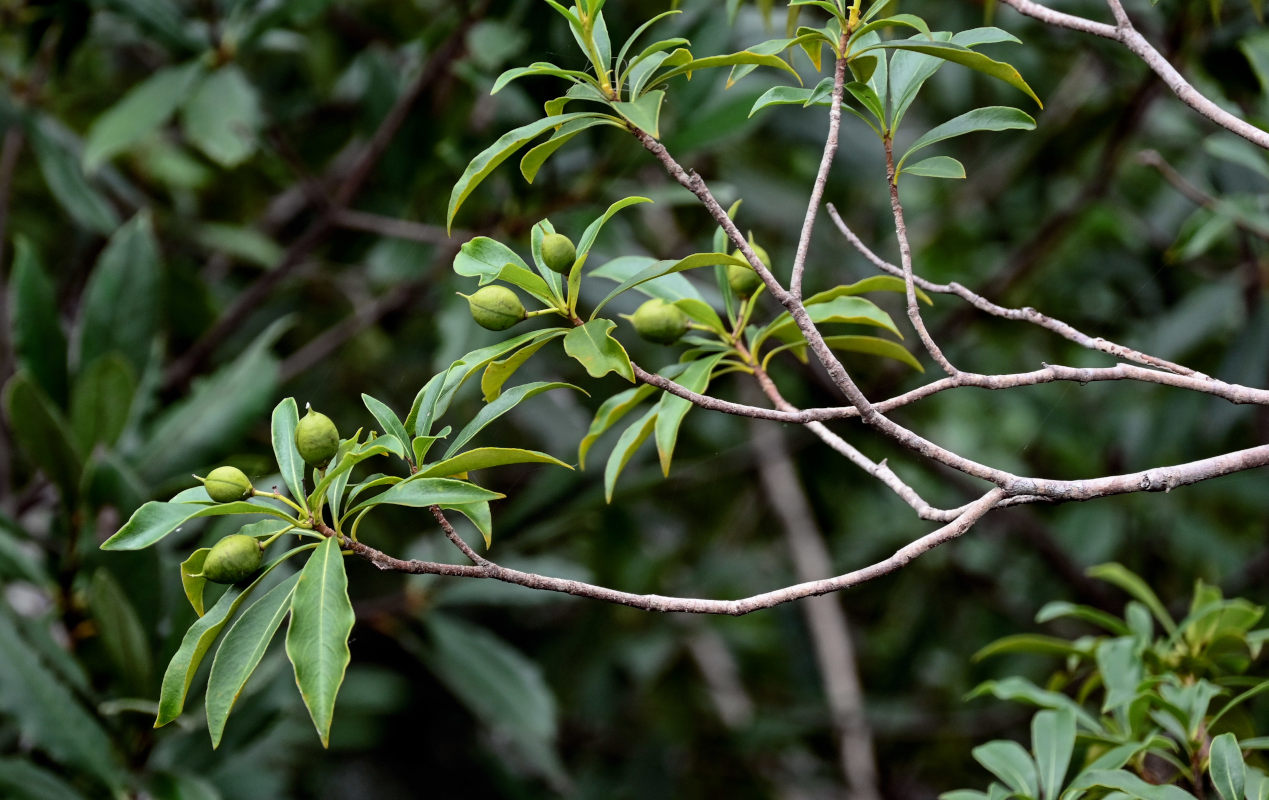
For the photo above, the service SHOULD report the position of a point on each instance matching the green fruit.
(660, 322)
(495, 307)
(317, 439)
(232, 559)
(558, 253)
(743, 280)
(227, 484)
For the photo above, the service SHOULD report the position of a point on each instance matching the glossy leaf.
(140, 112)
(587, 241)
(222, 116)
(729, 60)
(505, 402)
(488, 159)
(593, 346)
(423, 492)
(286, 416)
(1030, 643)
(317, 639)
(870, 345)
(964, 56)
(38, 340)
(670, 287)
(1129, 784)
(936, 167)
(121, 301)
(667, 267)
(644, 113)
(499, 372)
(989, 118)
(537, 68)
(484, 258)
(1061, 608)
(1052, 742)
(153, 521)
(387, 419)
(1020, 689)
(238, 655)
(199, 638)
(1227, 768)
(610, 413)
(1011, 764)
(192, 580)
(631, 438)
(485, 457)
(672, 409)
(1120, 576)
(855, 310)
(533, 160)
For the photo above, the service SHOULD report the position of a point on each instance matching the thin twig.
(821, 177)
(1127, 35)
(396, 228)
(1195, 195)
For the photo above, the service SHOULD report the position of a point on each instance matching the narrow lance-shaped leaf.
(989, 118)
(153, 521)
(42, 432)
(936, 167)
(672, 408)
(505, 402)
(1011, 764)
(286, 417)
(140, 112)
(317, 640)
(192, 580)
(422, 492)
(199, 638)
(239, 654)
(386, 418)
(625, 448)
(667, 267)
(965, 57)
(120, 307)
(488, 159)
(1120, 576)
(485, 457)
(38, 340)
(533, 160)
(499, 372)
(610, 413)
(1052, 741)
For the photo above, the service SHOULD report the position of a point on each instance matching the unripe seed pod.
(317, 439)
(558, 253)
(495, 307)
(744, 281)
(227, 484)
(660, 322)
(232, 559)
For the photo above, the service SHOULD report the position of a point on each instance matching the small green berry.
(227, 484)
(232, 559)
(495, 307)
(558, 253)
(660, 322)
(743, 280)
(317, 439)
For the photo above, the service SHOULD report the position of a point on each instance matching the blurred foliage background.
(262, 218)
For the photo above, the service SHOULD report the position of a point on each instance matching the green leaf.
(505, 402)
(1120, 576)
(488, 159)
(286, 416)
(140, 112)
(876, 283)
(937, 167)
(479, 515)
(101, 401)
(55, 153)
(153, 521)
(240, 652)
(1121, 670)
(222, 117)
(1011, 764)
(854, 310)
(39, 428)
(625, 448)
(908, 72)
(485, 258)
(418, 492)
(1031, 643)
(192, 580)
(386, 418)
(965, 57)
(350, 454)
(729, 60)
(533, 160)
(1020, 689)
(1129, 784)
(1052, 741)
(537, 68)
(587, 241)
(672, 409)
(120, 309)
(48, 713)
(781, 96)
(870, 345)
(1227, 768)
(1061, 608)
(317, 639)
(499, 372)
(659, 268)
(199, 638)
(989, 118)
(644, 113)
(593, 346)
(670, 288)
(610, 412)
(121, 632)
(485, 457)
(38, 340)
